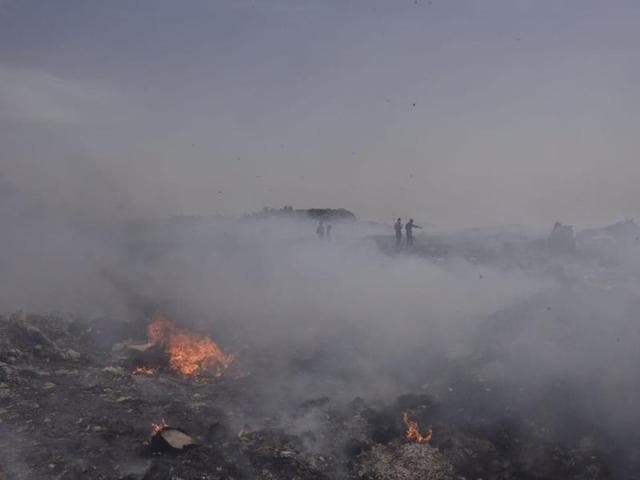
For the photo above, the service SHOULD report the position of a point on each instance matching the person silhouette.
(320, 230)
(408, 228)
(398, 228)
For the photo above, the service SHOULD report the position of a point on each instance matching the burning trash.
(189, 354)
(157, 428)
(164, 438)
(150, 372)
(413, 433)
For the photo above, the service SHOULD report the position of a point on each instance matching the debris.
(70, 354)
(150, 372)
(310, 438)
(176, 438)
(30, 337)
(403, 462)
(169, 439)
(115, 370)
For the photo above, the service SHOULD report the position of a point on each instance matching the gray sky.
(453, 112)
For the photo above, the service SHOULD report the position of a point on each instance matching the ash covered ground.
(519, 356)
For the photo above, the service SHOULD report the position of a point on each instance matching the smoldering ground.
(552, 336)
(341, 306)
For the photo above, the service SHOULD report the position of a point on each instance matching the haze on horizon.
(458, 113)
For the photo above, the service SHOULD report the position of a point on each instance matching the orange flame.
(160, 328)
(188, 354)
(150, 372)
(413, 433)
(156, 428)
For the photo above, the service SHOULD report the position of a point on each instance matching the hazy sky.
(453, 112)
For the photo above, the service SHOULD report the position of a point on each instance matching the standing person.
(320, 230)
(408, 228)
(329, 227)
(398, 228)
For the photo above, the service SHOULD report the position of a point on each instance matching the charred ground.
(71, 408)
(543, 387)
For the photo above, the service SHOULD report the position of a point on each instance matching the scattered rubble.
(168, 439)
(403, 461)
(66, 416)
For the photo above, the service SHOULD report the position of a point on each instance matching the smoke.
(268, 283)
(100, 149)
(343, 308)
(345, 317)
(63, 222)
(350, 313)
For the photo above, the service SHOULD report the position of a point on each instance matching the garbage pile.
(71, 407)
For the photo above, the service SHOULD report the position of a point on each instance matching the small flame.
(413, 433)
(150, 372)
(156, 428)
(189, 354)
(160, 328)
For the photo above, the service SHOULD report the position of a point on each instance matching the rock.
(118, 371)
(71, 354)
